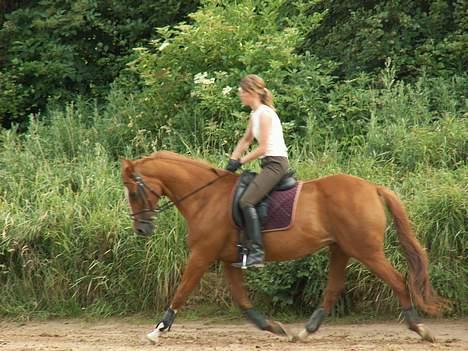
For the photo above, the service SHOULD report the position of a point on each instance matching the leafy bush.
(57, 49)
(192, 72)
(419, 124)
(422, 37)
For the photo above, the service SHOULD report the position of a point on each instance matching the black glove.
(233, 165)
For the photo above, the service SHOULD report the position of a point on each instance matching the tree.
(420, 36)
(58, 49)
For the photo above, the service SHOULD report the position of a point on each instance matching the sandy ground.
(128, 334)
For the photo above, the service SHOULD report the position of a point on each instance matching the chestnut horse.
(341, 211)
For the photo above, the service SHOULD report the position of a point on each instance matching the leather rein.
(142, 189)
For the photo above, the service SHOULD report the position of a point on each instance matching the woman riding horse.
(265, 126)
(343, 212)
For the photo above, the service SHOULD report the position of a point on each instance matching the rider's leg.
(273, 169)
(253, 230)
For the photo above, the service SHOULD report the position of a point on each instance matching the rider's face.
(247, 97)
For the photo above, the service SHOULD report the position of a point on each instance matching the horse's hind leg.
(383, 269)
(235, 279)
(336, 279)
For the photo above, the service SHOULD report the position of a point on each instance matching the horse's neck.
(180, 179)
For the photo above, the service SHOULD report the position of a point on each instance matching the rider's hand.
(233, 165)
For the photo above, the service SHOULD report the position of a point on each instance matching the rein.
(142, 186)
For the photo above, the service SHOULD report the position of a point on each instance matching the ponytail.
(267, 98)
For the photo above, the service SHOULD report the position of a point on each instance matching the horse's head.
(143, 194)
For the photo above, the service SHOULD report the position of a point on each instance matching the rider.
(265, 126)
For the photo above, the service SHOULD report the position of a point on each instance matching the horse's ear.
(127, 168)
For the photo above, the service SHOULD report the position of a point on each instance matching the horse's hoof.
(425, 333)
(153, 337)
(303, 335)
(286, 332)
(278, 328)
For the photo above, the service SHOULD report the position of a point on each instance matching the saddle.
(286, 183)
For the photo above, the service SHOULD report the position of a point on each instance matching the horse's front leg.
(196, 266)
(235, 279)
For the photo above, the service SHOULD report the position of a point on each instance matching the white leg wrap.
(153, 337)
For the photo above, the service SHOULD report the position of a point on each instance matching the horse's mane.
(169, 155)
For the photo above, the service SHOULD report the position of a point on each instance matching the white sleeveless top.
(276, 145)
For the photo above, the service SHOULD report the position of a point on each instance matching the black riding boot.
(253, 230)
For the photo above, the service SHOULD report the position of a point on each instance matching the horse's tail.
(419, 283)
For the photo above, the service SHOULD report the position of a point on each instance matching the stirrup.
(244, 265)
(244, 252)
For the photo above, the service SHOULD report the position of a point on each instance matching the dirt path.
(124, 335)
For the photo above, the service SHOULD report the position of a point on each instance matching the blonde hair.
(254, 83)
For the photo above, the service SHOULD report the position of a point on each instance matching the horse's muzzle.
(144, 228)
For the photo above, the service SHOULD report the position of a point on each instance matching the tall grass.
(66, 243)
(66, 239)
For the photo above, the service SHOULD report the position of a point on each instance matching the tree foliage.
(58, 49)
(422, 36)
(192, 73)
(54, 50)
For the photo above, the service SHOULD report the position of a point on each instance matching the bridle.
(141, 193)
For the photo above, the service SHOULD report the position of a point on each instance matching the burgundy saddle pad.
(280, 208)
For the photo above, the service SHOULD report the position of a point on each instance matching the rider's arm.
(243, 143)
(265, 126)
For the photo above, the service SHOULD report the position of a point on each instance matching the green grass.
(67, 247)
